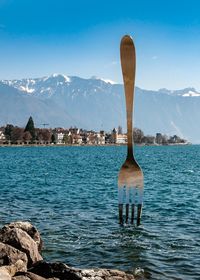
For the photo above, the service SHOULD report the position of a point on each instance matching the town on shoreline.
(11, 135)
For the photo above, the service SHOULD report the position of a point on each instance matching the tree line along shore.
(30, 135)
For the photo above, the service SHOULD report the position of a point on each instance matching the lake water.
(70, 195)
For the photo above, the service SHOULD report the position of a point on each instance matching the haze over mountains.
(63, 101)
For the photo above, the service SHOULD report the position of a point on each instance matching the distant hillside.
(98, 104)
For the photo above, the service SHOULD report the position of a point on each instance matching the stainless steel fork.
(130, 178)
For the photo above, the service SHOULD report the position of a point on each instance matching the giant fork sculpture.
(130, 179)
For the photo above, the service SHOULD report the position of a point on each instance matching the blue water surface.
(70, 195)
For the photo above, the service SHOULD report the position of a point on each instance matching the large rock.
(10, 255)
(20, 277)
(57, 270)
(30, 229)
(6, 272)
(108, 274)
(20, 240)
(64, 272)
(30, 276)
(36, 277)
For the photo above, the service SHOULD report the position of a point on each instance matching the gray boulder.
(55, 270)
(108, 274)
(29, 276)
(6, 272)
(30, 229)
(22, 241)
(10, 255)
(20, 277)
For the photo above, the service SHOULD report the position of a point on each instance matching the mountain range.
(97, 104)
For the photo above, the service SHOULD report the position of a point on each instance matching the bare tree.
(27, 136)
(119, 130)
(137, 135)
(44, 135)
(17, 134)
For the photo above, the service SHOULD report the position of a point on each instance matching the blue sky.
(81, 38)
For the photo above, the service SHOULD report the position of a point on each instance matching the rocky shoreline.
(21, 259)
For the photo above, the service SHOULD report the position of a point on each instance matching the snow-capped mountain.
(55, 84)
(191, 92)
(45, 86)
(96, 103)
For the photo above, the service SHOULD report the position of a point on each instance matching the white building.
(101, 138)
(59, 138)
(2, 136)
(121, 139)
(118, 138)
(77, 139)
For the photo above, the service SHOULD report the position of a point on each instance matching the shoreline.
(95, 145)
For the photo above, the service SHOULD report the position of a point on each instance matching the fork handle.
(128, 61)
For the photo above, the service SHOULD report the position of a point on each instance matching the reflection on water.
(70, 194)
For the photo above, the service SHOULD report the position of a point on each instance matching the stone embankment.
(21, 259)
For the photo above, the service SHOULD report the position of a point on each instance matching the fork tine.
(121, 214)
(139, 213)
(127, 212)
(132, 200)
(127, 203)
(139, 208)
(132, 213)
(121, 199)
